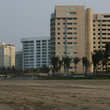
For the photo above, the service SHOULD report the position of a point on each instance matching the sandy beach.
(55, 95)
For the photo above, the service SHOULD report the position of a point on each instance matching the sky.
(31, 18)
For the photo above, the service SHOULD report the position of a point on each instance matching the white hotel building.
(36, 52)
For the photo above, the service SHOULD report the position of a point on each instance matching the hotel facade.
(101, 33)
(71, 31)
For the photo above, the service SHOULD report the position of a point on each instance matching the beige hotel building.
(7, 55)
(77, 32)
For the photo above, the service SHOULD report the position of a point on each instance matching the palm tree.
(54, 62)
(67, 60)
(76, 61)
(96, 58)
(83, 62)
(60, 65)
(86, 64)
(106, 55)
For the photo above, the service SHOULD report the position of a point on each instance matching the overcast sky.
(30, 18)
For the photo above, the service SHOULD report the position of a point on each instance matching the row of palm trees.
(98, 57)
(65, 62)
(101, 57)
(13, 72)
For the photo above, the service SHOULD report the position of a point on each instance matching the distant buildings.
(36, 52)
(19, 60)
(7, 55)
(74, 32)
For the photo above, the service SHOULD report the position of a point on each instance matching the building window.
(107, 16)
(58, 23)
(69, 18)
(103, 33)
(68, 8)
(69, 23)
(64, 28)
(58, 28)
(103, 37)
(58, 38)
(74, 28)
(75, 33)
(71, 13)
(75, 48)
(58, 18)
(68, 13)
(70, 43)
(58, 53)
(75, 52)
(58, 47)
(69, 33)
(58, 43)
(74, 18)
(70, 53)
(75, 42)
(67, 47)
(69, 28)
(74, 23)
(75, 37)
(58, 33)
(69, 37)
(103, 24)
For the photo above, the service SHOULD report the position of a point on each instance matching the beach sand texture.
(55, 95)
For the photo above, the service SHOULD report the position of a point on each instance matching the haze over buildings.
(22, 18)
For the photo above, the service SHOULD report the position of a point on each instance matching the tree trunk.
(106, 68)
(83, 69)
(75, 69)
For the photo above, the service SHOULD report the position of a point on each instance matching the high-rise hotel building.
(7, 55)
(71, 31)
(36, 52)
(101, 32)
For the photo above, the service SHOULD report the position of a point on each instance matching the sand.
(55, 95)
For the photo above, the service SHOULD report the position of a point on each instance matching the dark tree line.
(101, 57)
(65, 62)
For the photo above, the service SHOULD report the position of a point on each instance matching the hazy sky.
(30, 18)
